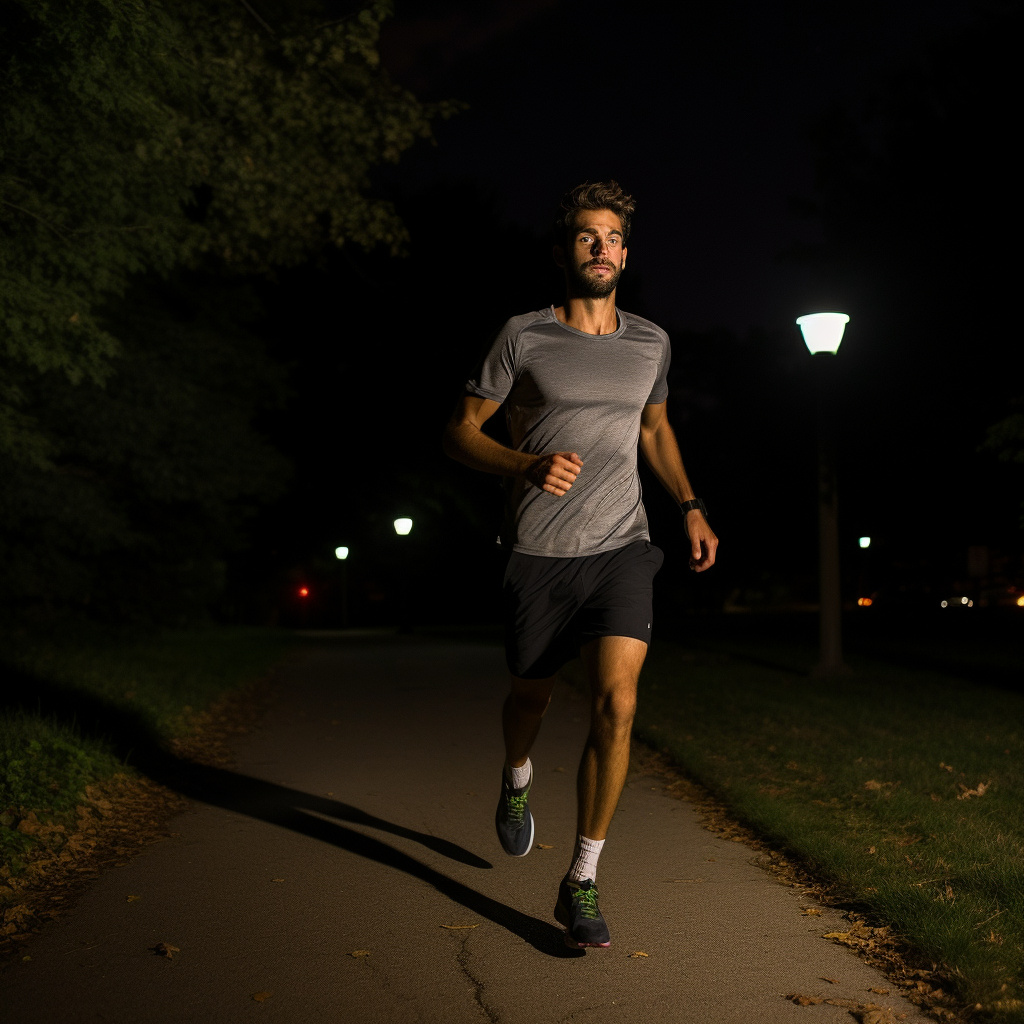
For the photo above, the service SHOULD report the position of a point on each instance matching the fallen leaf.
(871, 849)
(810, 911)
(836, 935)
(946, 767)
(966, 793)
(25, 959)
(880, 1015)
(637, 954)
(559, 769)
(165, 949)
(277, 879)
(132, 899)
(802, 1000)
(261, 997)
(879, 991)
(457, 927)
(544, 846)
(873, 784)
(360, 952)
(831, 981)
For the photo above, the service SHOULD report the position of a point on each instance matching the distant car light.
(865, 602)
(963, 600)
(944, 604)
(303, 591)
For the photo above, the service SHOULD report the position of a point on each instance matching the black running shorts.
(555, 605)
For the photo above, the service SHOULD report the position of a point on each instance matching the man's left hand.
(703, 542)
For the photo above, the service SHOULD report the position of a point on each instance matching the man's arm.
(465, 441)
(661, 452)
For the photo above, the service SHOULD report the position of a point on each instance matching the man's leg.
(613, 666)
(521, 716)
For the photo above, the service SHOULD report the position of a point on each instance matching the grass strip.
(65, 696)
(902, 787)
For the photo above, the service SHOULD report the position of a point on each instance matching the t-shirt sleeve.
(496, 372)
(660, 390)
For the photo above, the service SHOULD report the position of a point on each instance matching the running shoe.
(513, 819)
(576, 909)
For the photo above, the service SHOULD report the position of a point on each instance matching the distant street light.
(341, 554)
(403, 527)
(823, 333)
(865, 542)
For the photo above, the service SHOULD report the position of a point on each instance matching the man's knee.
(615, 707)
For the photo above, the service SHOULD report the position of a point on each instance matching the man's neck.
(592, 316)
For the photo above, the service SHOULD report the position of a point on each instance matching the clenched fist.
(555, 473)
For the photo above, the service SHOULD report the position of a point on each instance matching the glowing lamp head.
(865, 542)
(403, 527)
(341, 554)
(1020, 601)
(823, 331)
(303, 591)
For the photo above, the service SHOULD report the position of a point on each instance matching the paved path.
(360, 818)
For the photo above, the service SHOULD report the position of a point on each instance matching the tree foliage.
(140, 136)
(153, 158)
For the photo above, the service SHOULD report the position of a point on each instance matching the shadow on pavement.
(133, 740)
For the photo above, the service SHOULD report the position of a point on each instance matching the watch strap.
(694, 503)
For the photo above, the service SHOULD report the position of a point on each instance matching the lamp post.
(403, 527)
(823, 333)
(341, 554)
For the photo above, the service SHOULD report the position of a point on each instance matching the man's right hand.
(555, 473)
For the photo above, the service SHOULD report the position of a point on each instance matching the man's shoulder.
(638, 323)
(515, 325)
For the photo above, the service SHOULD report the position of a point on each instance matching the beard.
(589, 287)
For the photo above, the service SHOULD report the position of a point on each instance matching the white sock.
(584, 859)
(519, 777)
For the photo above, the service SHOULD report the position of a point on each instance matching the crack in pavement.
(462, 959)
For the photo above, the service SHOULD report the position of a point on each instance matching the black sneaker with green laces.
(513, 820)
(576, 909)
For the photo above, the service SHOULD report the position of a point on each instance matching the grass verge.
(69, 702)
(902, 788)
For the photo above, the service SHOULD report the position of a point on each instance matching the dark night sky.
(702, 114)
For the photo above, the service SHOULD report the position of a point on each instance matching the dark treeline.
(158, 165)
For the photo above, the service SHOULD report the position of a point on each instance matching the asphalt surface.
(359, 820)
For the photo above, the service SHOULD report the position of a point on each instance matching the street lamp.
(823, 333)
(403, 527)
(341, 554)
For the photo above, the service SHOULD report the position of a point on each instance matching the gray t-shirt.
(566, 390)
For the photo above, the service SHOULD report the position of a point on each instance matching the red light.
(865, 602)
(303, 591)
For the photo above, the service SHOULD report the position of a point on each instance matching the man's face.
(595, 255)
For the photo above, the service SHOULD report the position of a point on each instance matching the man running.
(582, 385)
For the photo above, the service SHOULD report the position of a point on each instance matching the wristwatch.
(694, 503)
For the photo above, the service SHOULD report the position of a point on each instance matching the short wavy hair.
(593, 195)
